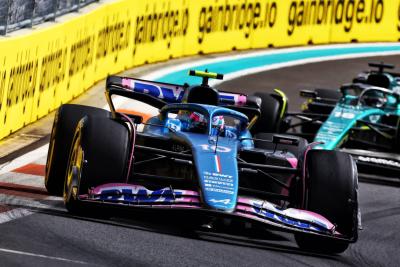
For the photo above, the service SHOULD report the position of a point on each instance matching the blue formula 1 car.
(363, 119)
(197, 156)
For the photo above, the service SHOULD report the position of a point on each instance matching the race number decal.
(221, 149)
(344, 115)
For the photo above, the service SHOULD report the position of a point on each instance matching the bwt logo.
(169, 94)
(141, 195)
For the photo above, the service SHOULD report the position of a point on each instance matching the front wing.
(290, 219)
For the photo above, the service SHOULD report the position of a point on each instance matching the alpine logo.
(387, 162)
(140, 195)
(223, 201)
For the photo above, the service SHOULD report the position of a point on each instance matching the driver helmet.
(197, 117)
(377, 99)
(193, 121)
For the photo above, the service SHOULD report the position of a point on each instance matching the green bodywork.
(334, 131)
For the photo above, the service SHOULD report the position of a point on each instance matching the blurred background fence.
(17, 14)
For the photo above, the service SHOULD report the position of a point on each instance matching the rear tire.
(332, 193)
(270, 119)
(312, 128)
(65, 121)
(99, 155)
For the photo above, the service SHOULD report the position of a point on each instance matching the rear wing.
(158, 94)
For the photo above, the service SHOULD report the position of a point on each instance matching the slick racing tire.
(332, 193)
(99, 155)
(297, 151)
(65, 121)
(270, 119)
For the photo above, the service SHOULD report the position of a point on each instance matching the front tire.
(270, 119)
(99, 155)
(65, 121)
(332, 193)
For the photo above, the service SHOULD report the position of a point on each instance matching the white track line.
(249, 71)
(24, 159)
(23, 179)
(40, 256)
(12, 165)
(27, 202)
(14, 214)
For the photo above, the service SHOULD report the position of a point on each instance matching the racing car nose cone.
(218, 175)
(216, 168)
(219, 190)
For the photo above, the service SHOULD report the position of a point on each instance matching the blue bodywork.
(199, 156)
(214, 158)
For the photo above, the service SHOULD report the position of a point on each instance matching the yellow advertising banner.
(47, 67)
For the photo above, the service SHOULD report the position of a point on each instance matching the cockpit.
(369, 96)
(204, 119)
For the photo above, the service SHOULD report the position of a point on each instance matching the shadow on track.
(185, 227)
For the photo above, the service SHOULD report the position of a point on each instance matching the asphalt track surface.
(52, 237)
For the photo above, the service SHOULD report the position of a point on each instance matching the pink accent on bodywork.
(126, 83)
(246, 207)
(244, 200)
(242, 99)
(293, 162)
(97, 190)
(318, 216)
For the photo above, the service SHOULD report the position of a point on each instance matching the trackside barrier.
(41, 70)
(17, 14)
